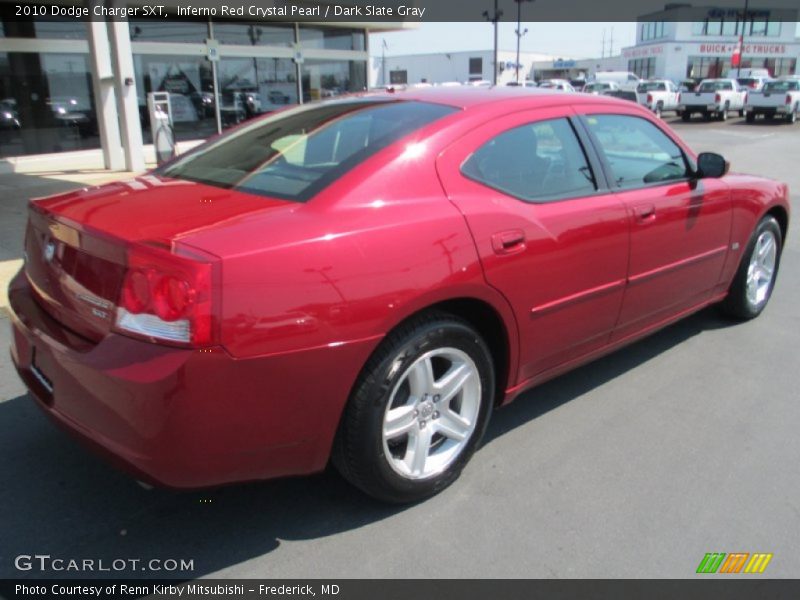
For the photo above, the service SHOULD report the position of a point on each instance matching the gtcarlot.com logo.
(736, 562)
(45, 563)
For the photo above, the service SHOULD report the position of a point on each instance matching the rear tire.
(754, 281)
(723, 115)
(418, 410)
(685, 116)
(750, 117)
(742, 113)
(658, 110)
(791, 118)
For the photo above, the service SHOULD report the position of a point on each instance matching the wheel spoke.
(451, 382)
(399, 421)
(420, 377)
(765, 247)
(419, 445)
(452, 425)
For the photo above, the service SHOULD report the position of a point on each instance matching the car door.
(549, 235)
(680, 226)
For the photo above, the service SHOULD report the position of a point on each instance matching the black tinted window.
(295, 154)
(535, 162)
(637, 151)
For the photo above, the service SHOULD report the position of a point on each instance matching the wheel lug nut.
(436, 398)
(436, 415)
(422, 424)
(416, 413)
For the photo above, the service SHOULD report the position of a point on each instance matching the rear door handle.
(508, 242)
(644, 212)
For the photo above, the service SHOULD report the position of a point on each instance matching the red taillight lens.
(746, 97)
(680, 96)
(788, 98)
(717, 98)
(169, 297)
(649, 98)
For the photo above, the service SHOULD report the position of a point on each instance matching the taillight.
(169, 297)
(680, 96)
(788, 98)
(717, 98)
(649, 98)
(746, 97)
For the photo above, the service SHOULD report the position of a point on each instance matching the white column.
(127, 101)
(105, 99)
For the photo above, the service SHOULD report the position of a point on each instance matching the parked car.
(600, 87)
(562, 85)
(624, 79)
(658, 95)
(364, 279)
(752, 83)
(713, 98)
(777, 98)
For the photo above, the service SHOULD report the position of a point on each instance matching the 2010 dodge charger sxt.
(363, 280)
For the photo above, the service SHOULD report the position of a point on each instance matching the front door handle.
(644, 212)
(508, 242)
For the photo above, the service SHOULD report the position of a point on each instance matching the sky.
(564, 40)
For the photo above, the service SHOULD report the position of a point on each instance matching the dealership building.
(81, 88)
(695, 42)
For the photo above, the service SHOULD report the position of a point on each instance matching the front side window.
(535, 162)
(637, 151)
(295, 154)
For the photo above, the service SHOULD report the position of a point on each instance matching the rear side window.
(536, 162)
(637, 151)
(295, 154)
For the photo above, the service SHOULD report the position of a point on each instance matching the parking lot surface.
(633, 466)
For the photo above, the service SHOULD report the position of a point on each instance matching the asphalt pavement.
(633, 466)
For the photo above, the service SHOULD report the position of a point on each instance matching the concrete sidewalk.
(15, 191)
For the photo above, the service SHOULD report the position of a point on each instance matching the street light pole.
(519, 33)
(741, 41)
(494, 18)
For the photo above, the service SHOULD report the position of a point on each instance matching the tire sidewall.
(740, 287)
(376, 392)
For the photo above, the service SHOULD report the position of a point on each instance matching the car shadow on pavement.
(552, 394)
(61, 500)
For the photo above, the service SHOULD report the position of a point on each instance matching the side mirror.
(712, 165)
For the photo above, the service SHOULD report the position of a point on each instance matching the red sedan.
(363, 280)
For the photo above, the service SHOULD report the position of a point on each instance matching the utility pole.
(519, 33)
(611, 44)
(494, 18)
(383, 62)
(603, 45)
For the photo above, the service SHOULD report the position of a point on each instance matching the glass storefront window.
(167, 30)
(329, 78)
(254, 34)
(189, 81)
(252, 86)
(46, 104)
(332, 38)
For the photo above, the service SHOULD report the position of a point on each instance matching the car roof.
(466, 97)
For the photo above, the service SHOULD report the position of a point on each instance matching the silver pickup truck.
(780, 97)
(713, 98)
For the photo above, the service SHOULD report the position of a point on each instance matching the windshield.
(295, 154)
(714, 86)
(652, 86)
(782, 86)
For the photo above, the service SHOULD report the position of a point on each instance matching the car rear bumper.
(783, 109)
(185, 418)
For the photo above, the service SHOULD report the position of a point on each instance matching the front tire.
(418, 410)
(754, 281)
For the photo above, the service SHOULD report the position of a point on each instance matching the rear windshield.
(652, 86)
(295, 154)
(782, 86)
(714, 86)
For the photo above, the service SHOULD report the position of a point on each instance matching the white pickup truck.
(779, 97)
(658, 95)
(713, 98)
